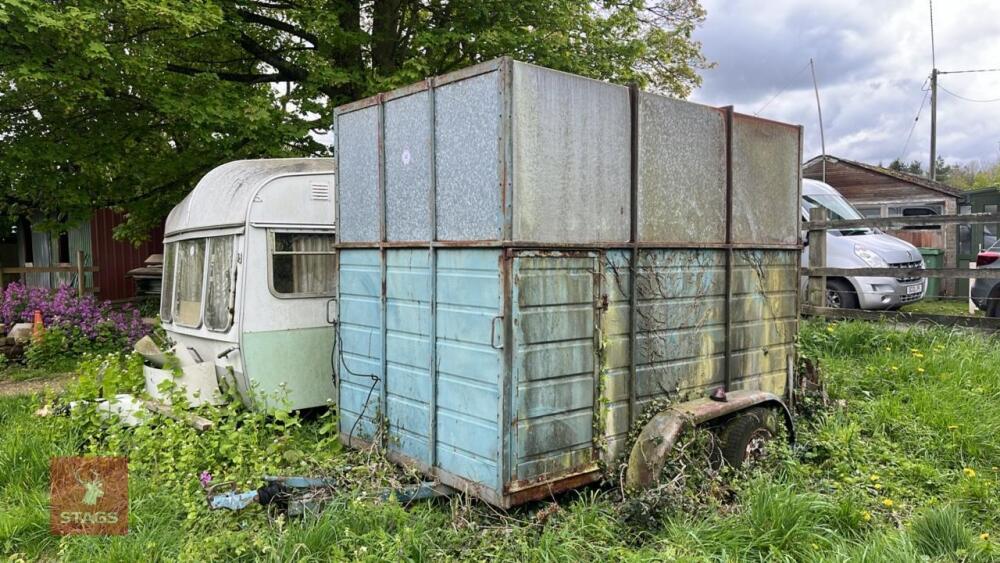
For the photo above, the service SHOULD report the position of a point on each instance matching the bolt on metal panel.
(467, 124)
(408, 168)
(357, 183)
(765, 181)
(682, 171)
(571, 158)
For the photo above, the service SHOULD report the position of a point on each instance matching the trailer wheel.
(745, 436)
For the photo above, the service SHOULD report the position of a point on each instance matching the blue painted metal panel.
(469, 301)
(408, 347)
(360, 341)
(468, 371)
(554, 361)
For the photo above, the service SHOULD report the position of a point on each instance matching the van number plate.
(911, 289)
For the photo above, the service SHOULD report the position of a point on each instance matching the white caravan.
(249, 274)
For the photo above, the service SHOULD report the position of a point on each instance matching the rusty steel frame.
(383, 268)
(727, 375)
(432, 371)
(633, 298)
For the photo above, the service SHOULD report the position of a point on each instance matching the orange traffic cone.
(37, 327)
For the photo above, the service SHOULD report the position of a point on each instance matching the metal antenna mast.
(819, 110)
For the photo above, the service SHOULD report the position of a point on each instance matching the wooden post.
(79, 273)
(816, 239)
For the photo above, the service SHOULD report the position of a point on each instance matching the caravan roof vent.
(320, 192)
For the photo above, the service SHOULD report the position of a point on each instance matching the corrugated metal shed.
(114, 258)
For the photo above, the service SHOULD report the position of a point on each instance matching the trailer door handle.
(493, 333)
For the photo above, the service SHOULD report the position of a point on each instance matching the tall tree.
(125, 104)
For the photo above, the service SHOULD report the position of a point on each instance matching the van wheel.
(745, 437)
(993, 304)
(840, 295)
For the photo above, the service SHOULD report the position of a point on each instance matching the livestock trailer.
(528, 259)
(249, 283)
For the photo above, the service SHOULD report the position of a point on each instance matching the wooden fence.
(79, 269)
(815, 303)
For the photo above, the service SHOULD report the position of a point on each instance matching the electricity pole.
(933, 168)
(819, 110)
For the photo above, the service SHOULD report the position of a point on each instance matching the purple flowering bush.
(73, 324)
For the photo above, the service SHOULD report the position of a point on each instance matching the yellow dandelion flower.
(878, 486)
(920, 370)
(866, 516)
(969, 472)
(984, 536)
(888, 503)
(918, 355)
(952, 427)
(829, 328)
(874, 477)
(894, 368)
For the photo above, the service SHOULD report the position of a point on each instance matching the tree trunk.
(386, 17)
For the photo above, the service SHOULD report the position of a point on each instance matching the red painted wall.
(114, 258)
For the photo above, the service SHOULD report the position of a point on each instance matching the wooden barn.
(881, 192)
(44, 259)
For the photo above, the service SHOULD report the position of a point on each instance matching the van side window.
(167, 291)
(189, 282)
(218, 293)
(303, 264)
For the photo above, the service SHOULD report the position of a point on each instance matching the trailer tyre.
(745, 436)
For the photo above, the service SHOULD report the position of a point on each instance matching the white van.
(249, 274)
(861, 248)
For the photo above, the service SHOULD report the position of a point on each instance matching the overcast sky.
(872, 58)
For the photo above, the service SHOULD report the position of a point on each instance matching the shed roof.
(896, 174)
(222, 196)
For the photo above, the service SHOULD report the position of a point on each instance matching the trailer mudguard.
(657, 438)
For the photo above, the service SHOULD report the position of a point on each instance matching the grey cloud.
(872, 59)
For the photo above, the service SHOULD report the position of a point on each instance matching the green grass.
(901, 467)
(17, 372)
(949, 306)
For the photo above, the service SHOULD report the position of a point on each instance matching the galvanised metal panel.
(766, 203)
(408, 168)
(554, 377)
(360, 341)
(682, 171)
(357, 180)
(571, 158)
(408, 350)
(469, 348)
(467, 143)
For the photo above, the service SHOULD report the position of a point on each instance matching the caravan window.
(189, 282)
(167, 293)
(302, 264)
(218, 312)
